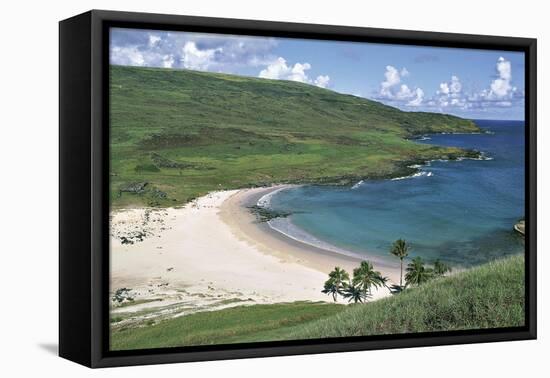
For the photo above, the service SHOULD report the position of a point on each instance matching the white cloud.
(322, 81)
(168, 61)
(392, 79)
(450, 94)
(451, 88)
(501, 86)
(455, 85)
(500, 93)
(298, 72)
(418, 99)
(196, 59)
(128, 56)
(189, 50)
(206, 52)
(404, 92)
(153, 40)
(505, 104)
(391, 88)
(504, 68)
(280, 70)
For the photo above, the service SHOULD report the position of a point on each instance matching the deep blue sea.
(462, 212)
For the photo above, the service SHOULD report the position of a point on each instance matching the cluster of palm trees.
(417, 271)
(356, 289)
(365, 278)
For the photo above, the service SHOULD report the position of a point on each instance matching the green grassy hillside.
(185, 133)
(488, 296)
(232, 325)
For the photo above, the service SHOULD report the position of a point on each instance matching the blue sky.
(478, 84)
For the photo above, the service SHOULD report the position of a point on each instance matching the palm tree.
(330, 288)
(440, 268)
(400, 249)
(384, 282)
(365, 277)
(417, 273)
(336, 282)
(355, 294)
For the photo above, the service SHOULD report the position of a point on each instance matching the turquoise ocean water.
(459, 211)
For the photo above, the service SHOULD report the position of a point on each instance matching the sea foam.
(285, 227)
(417, 174)
(358, 184)
(265, 200)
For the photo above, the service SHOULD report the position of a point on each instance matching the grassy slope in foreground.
(488, 296)
(233, 325)
(186, 133)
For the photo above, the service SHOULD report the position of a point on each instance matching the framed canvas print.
(234, 188)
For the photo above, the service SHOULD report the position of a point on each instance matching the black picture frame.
(84, 182)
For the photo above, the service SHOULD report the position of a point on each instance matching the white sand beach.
(213, 253)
